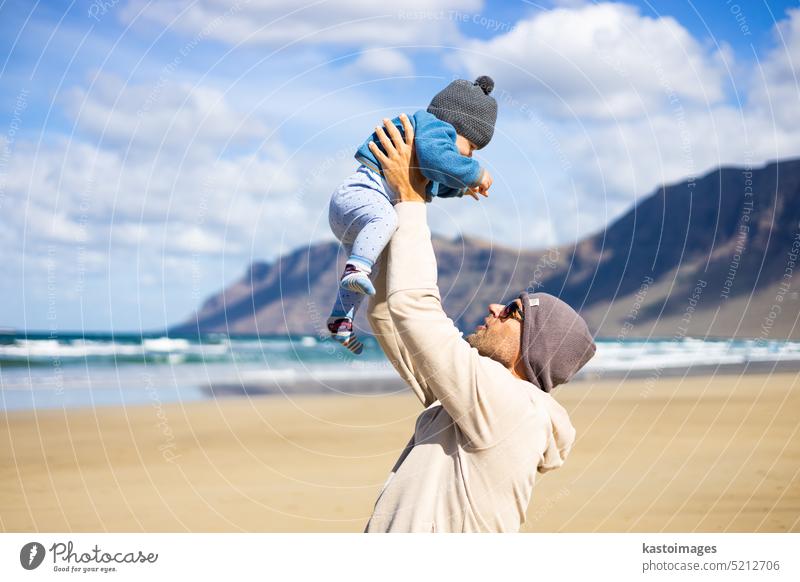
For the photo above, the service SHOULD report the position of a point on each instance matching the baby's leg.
(341, 322)
(363, 219)
(366, 220)
(377, 225)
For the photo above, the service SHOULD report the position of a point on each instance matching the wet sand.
(703, 453)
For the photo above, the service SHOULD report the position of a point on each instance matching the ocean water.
(74, 370)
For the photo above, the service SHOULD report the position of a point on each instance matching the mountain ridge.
(732, 229)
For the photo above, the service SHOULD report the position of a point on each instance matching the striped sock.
(341, 329)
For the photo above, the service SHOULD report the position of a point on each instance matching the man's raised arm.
(380, 320)
(469, 386)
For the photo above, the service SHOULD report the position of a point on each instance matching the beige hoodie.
(472, 462)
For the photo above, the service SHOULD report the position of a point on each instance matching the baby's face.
(465, 147)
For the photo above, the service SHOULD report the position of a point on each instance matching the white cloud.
(194, 239)
(161, 115)
(169, 180)
(387, 62)
(343, 22)
(778, 93)
(75, 192)
(589, 122)
(101, 220)
(603, 61)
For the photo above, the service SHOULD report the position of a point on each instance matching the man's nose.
(495, 309)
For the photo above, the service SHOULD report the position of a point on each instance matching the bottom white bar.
(353, 557)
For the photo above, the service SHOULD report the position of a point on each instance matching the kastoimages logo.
(31, 555)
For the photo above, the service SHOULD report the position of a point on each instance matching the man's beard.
(489, 347)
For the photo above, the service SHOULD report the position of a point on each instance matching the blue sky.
(152, 150)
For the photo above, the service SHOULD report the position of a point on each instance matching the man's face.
(498, 337)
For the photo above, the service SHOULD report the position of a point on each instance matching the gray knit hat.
(556, 342)
(469, 108)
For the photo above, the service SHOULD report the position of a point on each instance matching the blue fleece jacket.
(449, 172)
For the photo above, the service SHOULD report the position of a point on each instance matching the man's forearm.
(386, 334)
(412, 263)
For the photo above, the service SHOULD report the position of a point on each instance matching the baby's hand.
(483, 186)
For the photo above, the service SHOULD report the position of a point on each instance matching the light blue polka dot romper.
(362, 217)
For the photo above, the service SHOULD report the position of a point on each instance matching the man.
(489, 422)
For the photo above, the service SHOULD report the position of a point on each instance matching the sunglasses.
(513, 309)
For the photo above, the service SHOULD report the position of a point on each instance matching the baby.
(459, 120)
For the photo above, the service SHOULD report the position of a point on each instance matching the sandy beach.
(703, 453)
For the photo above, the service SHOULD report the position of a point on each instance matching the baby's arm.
(482, 187)
(439, 158)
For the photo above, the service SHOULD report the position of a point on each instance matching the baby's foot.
(341, 329)
(356, 280)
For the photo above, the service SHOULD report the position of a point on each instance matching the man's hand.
(399, 163)
(482, 187)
